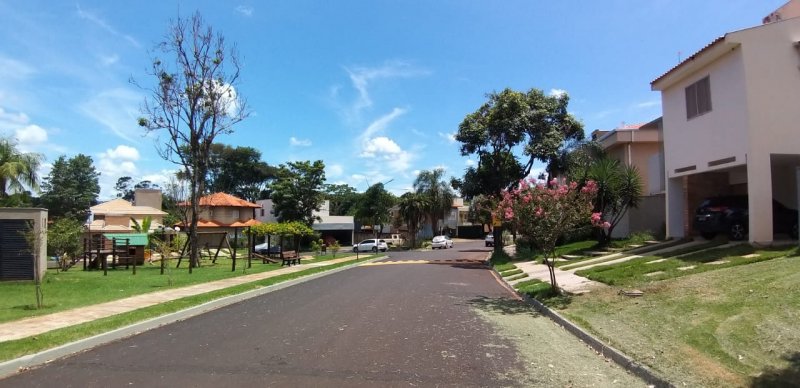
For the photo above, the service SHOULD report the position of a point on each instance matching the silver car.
(441, 242)
(371, 245)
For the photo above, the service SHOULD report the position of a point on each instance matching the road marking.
(446, 262)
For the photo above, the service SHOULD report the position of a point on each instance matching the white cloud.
(31, 135)
(362, 77)
(12, 121)
(648, 104)
(117, 110)
(379, 125)
(557, 92)
(388, 152)
(295, 142)
(122, 152)
(450, 137)
(245, 10)
(14, 69)
(334, 170)
(108, 60)
(470, 163)
(98, 21)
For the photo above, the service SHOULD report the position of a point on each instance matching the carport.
(760, 182)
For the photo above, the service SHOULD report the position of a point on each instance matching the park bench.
(289, 258)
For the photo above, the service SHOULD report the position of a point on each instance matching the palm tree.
(439, 195)
(412, 207)
(17, 169)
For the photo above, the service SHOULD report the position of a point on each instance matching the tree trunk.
(498, 239)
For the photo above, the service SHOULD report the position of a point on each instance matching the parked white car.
(441, 242)
(371, 245)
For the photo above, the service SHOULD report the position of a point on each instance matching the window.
(262, 212)
(698, 98)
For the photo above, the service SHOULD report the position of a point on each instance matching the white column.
(675, 208)
(759, 192)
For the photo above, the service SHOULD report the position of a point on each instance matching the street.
(415, 319)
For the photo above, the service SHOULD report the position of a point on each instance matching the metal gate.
(16, 256)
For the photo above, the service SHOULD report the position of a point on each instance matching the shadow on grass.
(787, 377)
(503, 306)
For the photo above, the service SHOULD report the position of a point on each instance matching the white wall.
(715, 135)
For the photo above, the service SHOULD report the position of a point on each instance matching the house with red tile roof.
(222, 213)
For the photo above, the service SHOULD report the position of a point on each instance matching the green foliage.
(64, 238)
(438, 195)
(342, 199)
(335, 247)
(619, 188)
(17, 169)
(144, 227)
(373, 207)
(284, 229)
(537, 123)
(511, 272)
(504, 267)
(71, 188)
(238, 171)
(516, 276)
(412, 207)
(297, 192)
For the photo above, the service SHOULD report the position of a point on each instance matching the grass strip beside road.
(17, 348)
(77, 288)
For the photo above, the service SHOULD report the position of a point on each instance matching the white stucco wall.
(718, 134)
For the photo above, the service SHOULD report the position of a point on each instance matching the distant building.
(339, 228)
(117, 215)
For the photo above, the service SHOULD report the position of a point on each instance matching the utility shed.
(17, 261)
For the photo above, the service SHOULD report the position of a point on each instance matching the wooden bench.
(289, 258)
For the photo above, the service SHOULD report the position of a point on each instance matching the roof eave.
(695, 62)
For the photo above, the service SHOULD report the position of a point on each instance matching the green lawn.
(728, 324)
(669, 265)
(76, 288)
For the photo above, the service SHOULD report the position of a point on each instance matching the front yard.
(722, 317)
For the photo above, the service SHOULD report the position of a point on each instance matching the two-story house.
(117, 215)
(339, 228)
(223, 214)
(731, 119)
(641, 146)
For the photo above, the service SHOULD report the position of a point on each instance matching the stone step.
(571, 257)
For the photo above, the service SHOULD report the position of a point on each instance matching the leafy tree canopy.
(17, 169)
(342, 199)
(374, 206)
(71, 188)
(297, 191)
(533, 122)
(238, 171)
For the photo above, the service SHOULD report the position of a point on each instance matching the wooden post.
(128, 249)
(87, 250)
(103, 261)
(233, 249)
(250, 247)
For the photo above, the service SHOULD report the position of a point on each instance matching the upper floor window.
(698, 98)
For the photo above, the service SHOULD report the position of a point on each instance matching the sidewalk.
(37, 325)
(567, 281)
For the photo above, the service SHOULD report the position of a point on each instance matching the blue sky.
(376, 89)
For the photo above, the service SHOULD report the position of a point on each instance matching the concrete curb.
(599, 346)
(23, 363)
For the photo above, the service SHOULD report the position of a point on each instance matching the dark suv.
(729, 215)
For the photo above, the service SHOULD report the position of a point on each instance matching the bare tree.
(193, 101)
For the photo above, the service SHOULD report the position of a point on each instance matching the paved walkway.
(41, 324)
(567, 281)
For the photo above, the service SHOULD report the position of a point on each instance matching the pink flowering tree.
(543, 213)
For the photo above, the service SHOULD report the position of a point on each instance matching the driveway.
(430, 318)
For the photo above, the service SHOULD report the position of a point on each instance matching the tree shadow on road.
(502, 305)
(786, 377)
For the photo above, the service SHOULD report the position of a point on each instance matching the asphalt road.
(415, 319)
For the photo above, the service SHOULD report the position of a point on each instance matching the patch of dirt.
(552, 356)
(713, 371)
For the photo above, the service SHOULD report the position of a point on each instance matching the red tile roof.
(201, 223)
(222, 200)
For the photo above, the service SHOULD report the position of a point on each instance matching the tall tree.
(534, 122)
(238, 171)
(17, 169)
(439, 195)
(412, 210)
(374, 207)
(71, 188)
(124, 188)
(297, 192)
(341, 198)
(194, 100)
